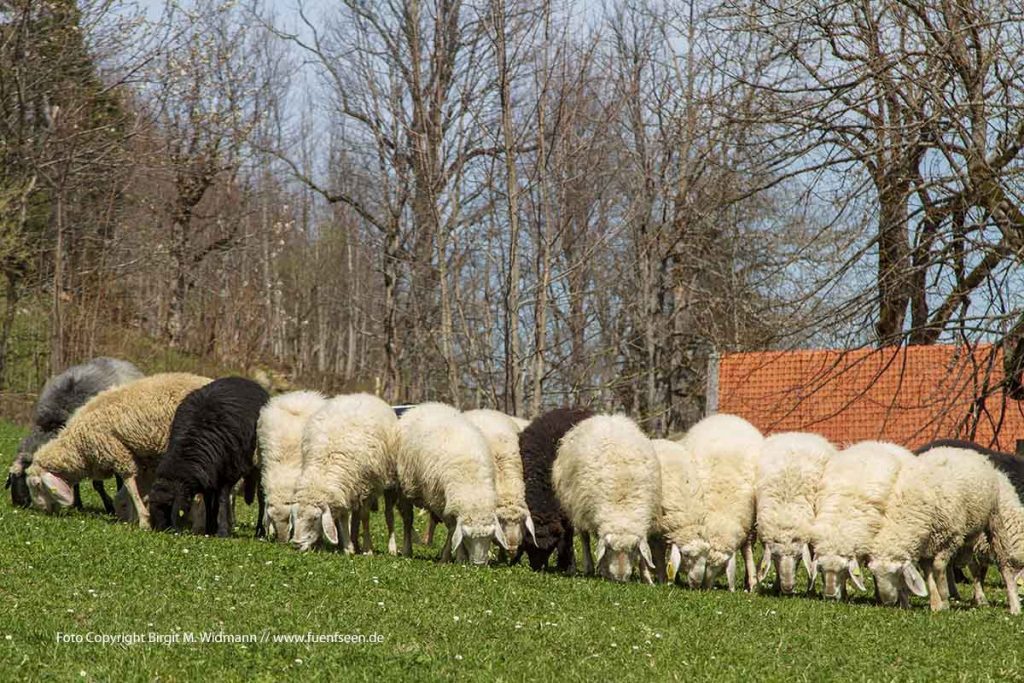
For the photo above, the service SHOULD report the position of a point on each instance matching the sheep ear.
(499, 534)
(291, 522)
(330, 528)
(645, 552)
(10, 478)
(601, 547)
(730, 572)
(766, 564)
(675, 560)
(457, 536)
(813, 572)
(853, 569)
(59, 489)
(915, 582)
(530, 529)
(806, 557)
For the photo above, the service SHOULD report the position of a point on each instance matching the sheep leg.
(588, 559)
(364, 518)
(566, 560)
(749, 566)
(658, 546)
(261, 511)
(390, 498)
(101, 490)
(932, 577)
(345, 519)
(211, 499)
(446, 551)
(1010, 579)
(951, 590)
(225, 516)
(353, 530)
(77, 498)
(405, 508)
(428, 539)
(132, 486)
(979, 567)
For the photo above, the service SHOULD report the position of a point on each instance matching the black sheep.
(61, 396)
(538, 445)
(212, 443)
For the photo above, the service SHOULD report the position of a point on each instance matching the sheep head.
(169, 506)
(476, 539)
(49, 491)
(310, 523)
(784, 558)
(835, 571)
(617, 554)
(895, 578)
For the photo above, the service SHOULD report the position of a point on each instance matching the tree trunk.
(57, 312)
(894, 265)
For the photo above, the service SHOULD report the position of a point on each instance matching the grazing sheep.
(212, 446)
(279, 455)
(348, 456)
(940, 502)
(538, 446)
(502, 436)
(681, 518)
(61, 396)
(607, 479)
(432, 522)
(726, 448)
(445, 466)
(1005, 539)
(855, 488)
(788, 492)
(120, 431)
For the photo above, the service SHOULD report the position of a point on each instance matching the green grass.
(79, 573)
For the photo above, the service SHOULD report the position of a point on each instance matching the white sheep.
(445, 466)
(1005, 541)
(855, 489)
(122, 431)
(279, 455)
(607, 479)
(502, 436)
(788, 492)
(726, 449)
(347, 458)
(940, 502)
(681, 519)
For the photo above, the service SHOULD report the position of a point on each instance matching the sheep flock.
(688, 511)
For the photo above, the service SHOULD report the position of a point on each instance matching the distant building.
(908, 395)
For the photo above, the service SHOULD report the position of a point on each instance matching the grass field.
(81, 574)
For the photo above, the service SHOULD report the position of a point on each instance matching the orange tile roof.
(909, 395)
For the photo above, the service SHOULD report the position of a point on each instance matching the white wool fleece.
(855, 488)
(347, 452)
(789, 485)
(726, 448)
(681, 520)
(941, 499)
(607, 478)
(279, 431)
(502, 437)
(444, 462)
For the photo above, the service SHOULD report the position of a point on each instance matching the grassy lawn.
(80, 574)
